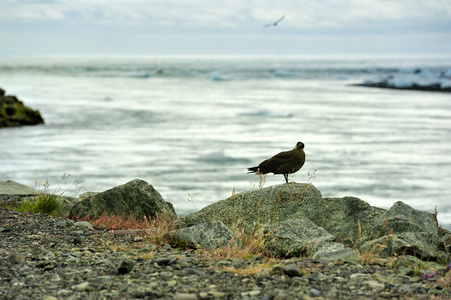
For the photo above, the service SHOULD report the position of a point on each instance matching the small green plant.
(46, 202)
(43, 203)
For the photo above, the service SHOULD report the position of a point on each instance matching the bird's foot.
(286, 177)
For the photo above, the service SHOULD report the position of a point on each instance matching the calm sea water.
(190, 126)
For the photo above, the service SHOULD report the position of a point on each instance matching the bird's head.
(299, 146)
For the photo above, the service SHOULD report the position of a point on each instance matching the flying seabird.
(285, 163)
(275, 23)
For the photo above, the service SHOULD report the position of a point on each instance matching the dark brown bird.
(285, 163)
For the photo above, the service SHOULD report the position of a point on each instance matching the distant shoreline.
(384, 85)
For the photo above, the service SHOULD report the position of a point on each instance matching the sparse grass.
(191, 199)
(371, 254)
(252, 246)
(43, 203)
(119, 221)
(46, 201)
(154, 230)
(249, 269)
(445, 281)
(443, 273)
(418, 267)
(261, 209)
(252, 242)
(148, 256)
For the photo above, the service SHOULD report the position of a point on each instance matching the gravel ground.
(43, 257)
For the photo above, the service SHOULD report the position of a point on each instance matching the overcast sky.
(224, 27)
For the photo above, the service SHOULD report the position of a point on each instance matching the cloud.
(218, 13)
(167, 21)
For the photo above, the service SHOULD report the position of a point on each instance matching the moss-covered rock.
(206, 235)
(14, 113)
(404, 230)
(253, 210)
(346, 218)
(137, 198)
(296, 221)
(295, 237)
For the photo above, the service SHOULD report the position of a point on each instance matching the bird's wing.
(289, 167)
(274, 23)
(280, 19)
(283, 155)
(279, 166)
(274, 164)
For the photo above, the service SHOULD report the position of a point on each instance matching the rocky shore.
(385, 84)
(46, 257)
(416, 79)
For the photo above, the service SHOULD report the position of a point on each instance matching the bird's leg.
(286, 177)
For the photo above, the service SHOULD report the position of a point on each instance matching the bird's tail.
(253, 170)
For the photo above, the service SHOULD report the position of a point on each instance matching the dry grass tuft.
(371, 254)
(249, 270)
(252, 246)
(119, 221)
(154, 230)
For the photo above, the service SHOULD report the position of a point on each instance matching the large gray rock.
(295, 237)
(296, 221)
(11, 187)
(253, 210)
(206, 235)
(12, 192)
(137, 198)
(346, 218)
(403, 230)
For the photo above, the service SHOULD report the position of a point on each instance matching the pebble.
(81, 287)
(123, 232)
(292, 271)
(194, 271)
(15, 258)
(184, 296)
(379, 286)
(84, 225)
(162, 261)
(125, 265)
(315, 292)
